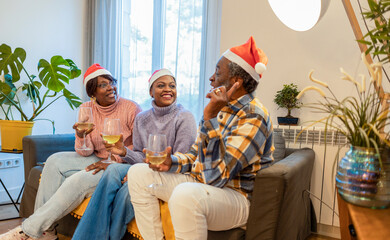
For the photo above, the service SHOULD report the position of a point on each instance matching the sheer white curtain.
(105, 32)
(211, 37)
(133, 38)
(173, 34)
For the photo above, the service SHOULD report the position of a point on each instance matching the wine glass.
(111, 134)
(155, 152)
(84, 123)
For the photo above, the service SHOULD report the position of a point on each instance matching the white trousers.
(194, 207)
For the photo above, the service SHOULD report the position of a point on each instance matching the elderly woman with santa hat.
(68, 177)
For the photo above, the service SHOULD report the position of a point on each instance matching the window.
(163, 33)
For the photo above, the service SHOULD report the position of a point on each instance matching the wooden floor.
(10, 224)
(319, 237)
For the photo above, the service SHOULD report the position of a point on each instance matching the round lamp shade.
(299, 15)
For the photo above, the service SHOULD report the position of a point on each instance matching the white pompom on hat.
(252, 59)
(94, 71)
(159, 73)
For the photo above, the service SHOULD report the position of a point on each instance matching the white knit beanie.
(159, 73)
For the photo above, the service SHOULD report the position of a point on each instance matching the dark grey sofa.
(280, 207)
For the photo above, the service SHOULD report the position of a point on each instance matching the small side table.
(11, 158)
(9, 195)
(368, 223)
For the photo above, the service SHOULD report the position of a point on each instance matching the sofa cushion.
(232, 234)
(132, 226)
(34, 176)
(280, 147)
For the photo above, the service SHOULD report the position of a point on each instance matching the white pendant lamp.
(299, 15)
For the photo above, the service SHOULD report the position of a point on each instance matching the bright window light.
(299, 15)
(165, 35)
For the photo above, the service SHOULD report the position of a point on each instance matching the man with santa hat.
(210, 187)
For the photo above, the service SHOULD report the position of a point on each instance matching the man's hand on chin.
(219, 98)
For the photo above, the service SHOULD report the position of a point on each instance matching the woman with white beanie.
(110, 208)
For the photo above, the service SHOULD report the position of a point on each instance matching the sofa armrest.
(277, 197)
(37, 148)
(290, 150)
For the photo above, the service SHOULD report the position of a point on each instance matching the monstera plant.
(17, 85)
(42, 91)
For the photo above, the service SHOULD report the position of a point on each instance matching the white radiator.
(322, 188)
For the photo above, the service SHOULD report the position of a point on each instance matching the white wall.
(325, 48)
(45, 28)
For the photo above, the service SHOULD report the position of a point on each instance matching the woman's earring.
(93, 99)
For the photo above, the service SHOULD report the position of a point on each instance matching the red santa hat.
(252, 59)
(94, 71)
(159, 73)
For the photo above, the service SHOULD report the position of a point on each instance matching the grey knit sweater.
(177, 123)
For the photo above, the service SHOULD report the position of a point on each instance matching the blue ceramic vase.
(363, 178)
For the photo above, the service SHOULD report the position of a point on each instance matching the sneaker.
(48, 235)
(15, 234)
(18, 234)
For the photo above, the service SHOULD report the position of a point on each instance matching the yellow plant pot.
(12, 133)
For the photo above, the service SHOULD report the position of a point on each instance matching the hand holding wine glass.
(111, 134)
(117, 148)
(163, 166)
(159, 159)
(84, 125)
(157, 152)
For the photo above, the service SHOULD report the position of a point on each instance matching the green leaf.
(74, 70)
(381, 37)
(364, 42)
(7, 90)
(32, 90)
(54, 74)
(38, 84)
(11, 62)
(73, 101)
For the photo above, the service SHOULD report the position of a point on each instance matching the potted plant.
(377, 37)
(41, 91)
(287, 98)
(363, 173)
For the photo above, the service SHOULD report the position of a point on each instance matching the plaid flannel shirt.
(230, 148)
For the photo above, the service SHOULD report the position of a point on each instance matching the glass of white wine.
(111, 134)
(84, 123)
(155, 152)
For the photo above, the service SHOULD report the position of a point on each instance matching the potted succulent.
(287, 98)
(362, 176)
(41, 91)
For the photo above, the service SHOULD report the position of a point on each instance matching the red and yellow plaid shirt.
(230, 148)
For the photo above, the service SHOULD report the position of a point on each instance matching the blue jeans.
(110, 208)
(64, 185)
